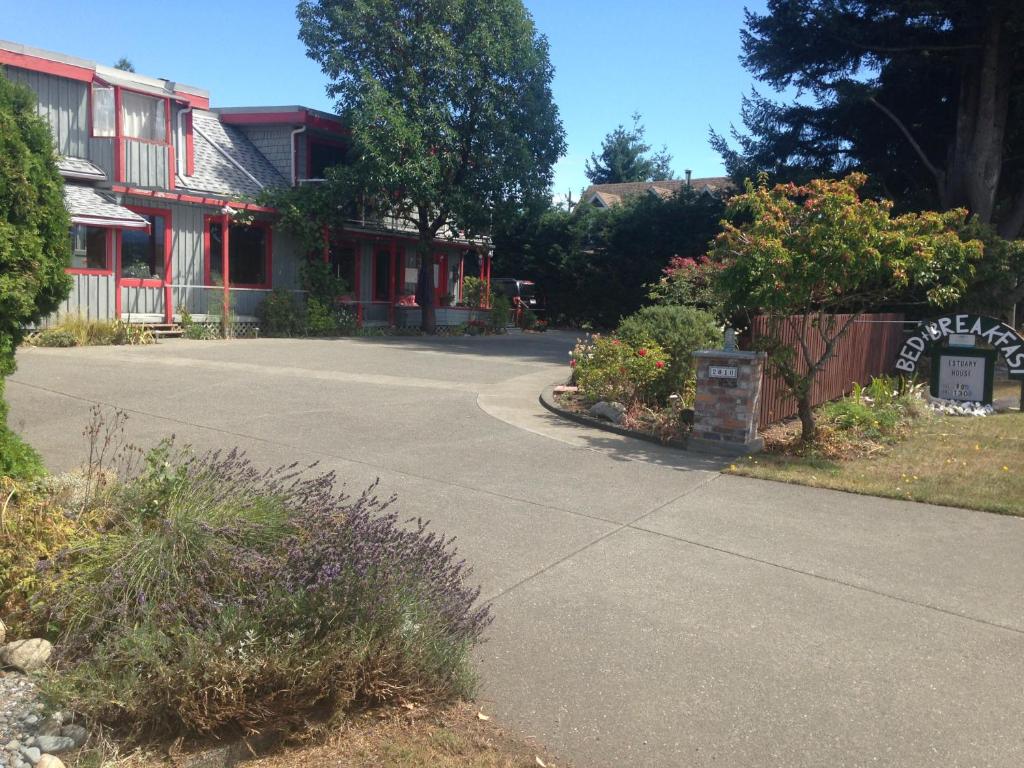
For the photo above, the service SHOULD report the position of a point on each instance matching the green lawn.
(963, 462)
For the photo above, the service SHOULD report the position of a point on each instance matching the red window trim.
(268, 256)
(109, 269)
(190, 152)
(140, 282)
(168, 139)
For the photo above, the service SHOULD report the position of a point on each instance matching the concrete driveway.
(650, 612)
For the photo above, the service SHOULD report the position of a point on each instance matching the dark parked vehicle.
(522, 293)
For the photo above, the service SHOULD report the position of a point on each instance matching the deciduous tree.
(815, 257)
(450, 107)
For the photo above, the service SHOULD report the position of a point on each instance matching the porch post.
(487, 267)
(393, 282)
(357, 282)
(117, 273)
(225, 235)
(462, 277)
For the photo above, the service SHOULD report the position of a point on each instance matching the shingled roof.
(226, 162)
(607, 195)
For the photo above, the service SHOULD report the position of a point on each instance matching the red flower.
(642, 352)
(616, 342)
(572, 363)
(659, 364)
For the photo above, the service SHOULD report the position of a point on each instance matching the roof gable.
(226, 162)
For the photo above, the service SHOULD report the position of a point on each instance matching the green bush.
(501, 312)
(223, 598)
(879, 410)
(474, 292)
(280, 314)
(680, 331)
(55, 337)
(607, 368)
(18, 460)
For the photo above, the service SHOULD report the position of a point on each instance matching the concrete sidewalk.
(650, 611)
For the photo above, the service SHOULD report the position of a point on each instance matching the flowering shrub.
(680, 331)
(223, 597)
(607, 368)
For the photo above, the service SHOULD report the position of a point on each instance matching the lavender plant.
(225, 597)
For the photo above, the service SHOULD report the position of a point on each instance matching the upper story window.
(323, 155)
(103, 123)
(143, 117)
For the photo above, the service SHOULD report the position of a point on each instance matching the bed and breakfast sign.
(961, 370)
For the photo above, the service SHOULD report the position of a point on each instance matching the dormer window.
(143, 117)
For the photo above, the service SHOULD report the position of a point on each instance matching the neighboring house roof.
(90, 206)
(607, 195)
(226, 162)
(79, 168)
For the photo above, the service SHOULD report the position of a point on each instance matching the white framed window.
(103, 123)
(143, 117)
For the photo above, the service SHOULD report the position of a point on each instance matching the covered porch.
(381, 270)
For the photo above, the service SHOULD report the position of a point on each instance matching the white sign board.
(962, 378)
(961, 340)
(722, 371)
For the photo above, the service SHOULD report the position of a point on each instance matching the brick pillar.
(727, 406)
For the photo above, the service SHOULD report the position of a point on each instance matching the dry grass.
(976, 463)
(455, 737)
(451, 738)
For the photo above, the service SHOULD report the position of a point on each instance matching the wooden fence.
(868, 349)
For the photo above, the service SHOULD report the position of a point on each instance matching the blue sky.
(674, 61)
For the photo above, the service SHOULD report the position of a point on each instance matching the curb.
(547, 399)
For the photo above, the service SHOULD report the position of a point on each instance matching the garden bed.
(571, 405)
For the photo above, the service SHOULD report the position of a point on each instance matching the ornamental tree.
(814, 258)
(33, 235)
(450, 107)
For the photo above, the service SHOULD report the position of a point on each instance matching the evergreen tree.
(624, 157)
(927, 96)
(34, 244)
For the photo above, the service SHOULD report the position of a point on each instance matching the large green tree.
(33, 237)
(927, 96)
(625, 157)
(450, 107)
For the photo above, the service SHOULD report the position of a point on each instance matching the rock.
(613, 412)
(26, 655)
(49, 727)
(3, 632)
(55, 744)
(76, 733)
(31, 754)
(49, 761)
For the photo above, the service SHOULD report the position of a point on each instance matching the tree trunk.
(428, 314)
(976, 157)
(808, 427)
